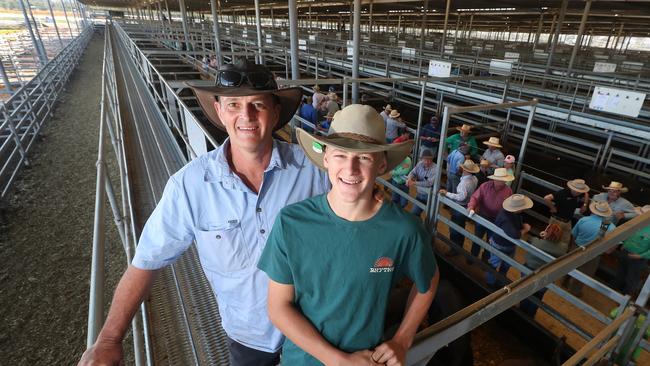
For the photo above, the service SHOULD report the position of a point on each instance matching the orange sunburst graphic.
(384, 262)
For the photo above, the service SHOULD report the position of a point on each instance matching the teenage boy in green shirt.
(333, 259)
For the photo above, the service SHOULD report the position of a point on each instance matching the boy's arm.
(293, 324)
(393, 351)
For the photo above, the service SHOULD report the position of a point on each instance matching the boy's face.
(353, 174)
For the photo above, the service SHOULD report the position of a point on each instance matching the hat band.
(355, 136)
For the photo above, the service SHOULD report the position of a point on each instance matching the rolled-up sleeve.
(169, 231)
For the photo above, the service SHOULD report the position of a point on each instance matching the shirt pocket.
(222, 248)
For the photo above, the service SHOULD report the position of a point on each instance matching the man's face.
(613, 194)
(249, 120)
(353, 174)
(427, 162)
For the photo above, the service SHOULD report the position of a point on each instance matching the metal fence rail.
(30, 107)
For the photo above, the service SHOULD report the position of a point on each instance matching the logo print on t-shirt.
(382, 265)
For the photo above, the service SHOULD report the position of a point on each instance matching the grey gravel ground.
(46, 231)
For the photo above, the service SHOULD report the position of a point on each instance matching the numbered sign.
(604, 67)
(439, 69)
(617, 101)
(500, 67)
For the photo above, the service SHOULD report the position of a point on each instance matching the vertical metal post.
(66, 18)
(215, 30)
(618, 37)
(539, 30)
(56, 28)
(169, 13)
(345, 91)
(370, 21)
(581, 29)
(558, 29)
(444, 28)
(5, 78)
(425, 6)
(457, 25)
(41, 55)
(272, 18)
(469, 32)
(416, 152)
(356, 44)
(433, 194)
(551, 32)
(399, 25)
(258, 25)
(181, 5)
(350, 31)
(524, 141)
(293, 38)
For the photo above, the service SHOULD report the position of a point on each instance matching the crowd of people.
(275, 223)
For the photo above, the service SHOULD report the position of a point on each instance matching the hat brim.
(592, 208)
(622, 189)
(289, 99)
(507, 207)
(579, 190)
(491, 144)
(507, 178)
(395, 153)
(473, 171)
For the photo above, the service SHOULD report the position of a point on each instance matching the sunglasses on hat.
(256, 79)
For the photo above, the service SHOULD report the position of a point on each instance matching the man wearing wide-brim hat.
(622, 209)
(511, 222)
(386, 112)
(347, 248)
(394, 124)
(464, 190)
(564, 203)
(587, 230)
(225, 201)
(487, 201)
(493, 153)
(463, 136)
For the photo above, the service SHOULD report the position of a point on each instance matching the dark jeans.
(396, 198)
(241, 355)
(628, 272)
(500, 265)
(480, 231)
(416, 210)
(458, 219)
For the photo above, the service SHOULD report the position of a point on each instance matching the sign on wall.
(350, 44)
(617, 101)
(604, 67)
(440, 69)
(269, 39)
(500, 67)
(449, 49)
(514, 56)
(302, 44)
(408, 52)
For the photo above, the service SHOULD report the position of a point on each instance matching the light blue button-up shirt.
(588, 228)
(454, 161)
(206, 202)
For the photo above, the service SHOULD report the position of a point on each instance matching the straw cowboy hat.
(642, 210)
(245, 78)
(394, 113)
(355, 128)
(517, 202)
(578, 185)
(469, 166)
(493, 141)
(464, 128)
(600, 208)
(615, 186)
(502, 175)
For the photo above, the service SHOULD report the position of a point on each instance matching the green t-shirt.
(639, 243)
(454, 141)
(342, 271)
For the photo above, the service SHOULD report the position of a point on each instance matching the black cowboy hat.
(245, 78)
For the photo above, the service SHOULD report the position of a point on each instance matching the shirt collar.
(218, 169)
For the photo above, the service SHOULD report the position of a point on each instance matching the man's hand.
(410, 182)
(390, 353)
(443, 191)
(471, 213)
(553, 209)
(103, 354)
(378, 194)
(619, 215)
(359, 358)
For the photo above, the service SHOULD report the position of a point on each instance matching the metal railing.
(30, 107)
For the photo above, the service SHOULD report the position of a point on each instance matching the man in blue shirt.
(430, 134)
(454, 161)
(308, 112)
(225, 201)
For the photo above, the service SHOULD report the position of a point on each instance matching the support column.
(181, 5)
(444, 28)
(539, 30)
(42, 57)
(293, 38)
(618, 37)
(399, 25)
(258, 25)
(5, 78)
(424, 23)
(350, 32)
(370, 22)
(56, 28)
(272, 18)
(457, 25)
(215, 30)
(551, 32)
(356, 43)
(581, 29)
(558, 30)
(66, 19)
(469, 32)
